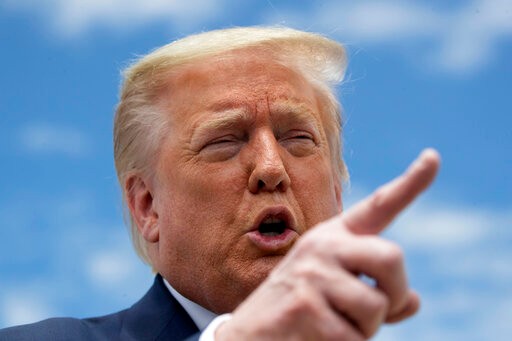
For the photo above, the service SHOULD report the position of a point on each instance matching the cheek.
(203, 197)
(315, 191)
(194, 216)
(215, 187)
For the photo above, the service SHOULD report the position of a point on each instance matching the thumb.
(375, 212)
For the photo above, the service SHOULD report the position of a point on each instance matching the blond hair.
(139, 124)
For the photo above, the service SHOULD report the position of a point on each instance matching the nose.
(268, 173)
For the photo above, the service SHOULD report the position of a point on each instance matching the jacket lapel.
(157, 316)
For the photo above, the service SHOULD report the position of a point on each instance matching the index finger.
(374, 213)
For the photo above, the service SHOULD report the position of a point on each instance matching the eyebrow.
(226, 115)
(294, 112)
(221, 118)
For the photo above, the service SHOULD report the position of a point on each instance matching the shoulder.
(157, 316)
(98, 328)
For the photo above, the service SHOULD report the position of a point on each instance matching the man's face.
(244, 170)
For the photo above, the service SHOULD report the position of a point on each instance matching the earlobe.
(141, 204)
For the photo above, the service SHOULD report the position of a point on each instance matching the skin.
(314, 290)
(247, 136)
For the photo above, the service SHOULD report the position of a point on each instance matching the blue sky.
(424, 73)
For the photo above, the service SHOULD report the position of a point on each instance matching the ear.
(142, 207)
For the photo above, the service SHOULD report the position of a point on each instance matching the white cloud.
(472, 38)
(21, 307)
(49, 139)
(465, 38)
(432, 227)
(377, 21)
(489, 260)
(462, 242)
(111, 268)
(75, 17)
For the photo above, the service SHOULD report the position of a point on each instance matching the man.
(227, 148)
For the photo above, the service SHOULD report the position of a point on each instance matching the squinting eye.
(221, 141)
(221, 149)
(298, 135)
(227, 139)
(303, 137)
(299, 143)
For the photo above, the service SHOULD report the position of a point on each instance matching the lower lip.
(273, 243)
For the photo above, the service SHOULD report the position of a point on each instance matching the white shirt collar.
(201, 316)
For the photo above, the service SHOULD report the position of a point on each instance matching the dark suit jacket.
(157, 316)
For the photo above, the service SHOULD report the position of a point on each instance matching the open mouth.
(274, 222)
(272, 226)
(274, 230)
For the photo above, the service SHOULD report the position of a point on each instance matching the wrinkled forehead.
(246, 77)
(247, 71)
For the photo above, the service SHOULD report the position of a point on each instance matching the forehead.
(250, 78)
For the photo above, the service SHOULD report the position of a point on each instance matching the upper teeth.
(271, 220)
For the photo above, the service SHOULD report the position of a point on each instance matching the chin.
(259, 271)
(238, 285)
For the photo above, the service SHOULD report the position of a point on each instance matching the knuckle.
(314, 243)
(378, 304)
(392, 256)
(344, 331)
(304, 302)
(378, 307)
(306, 244)
(307, 271)
(378, 199)
(312, 273)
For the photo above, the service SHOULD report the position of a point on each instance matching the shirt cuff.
(208, 333)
